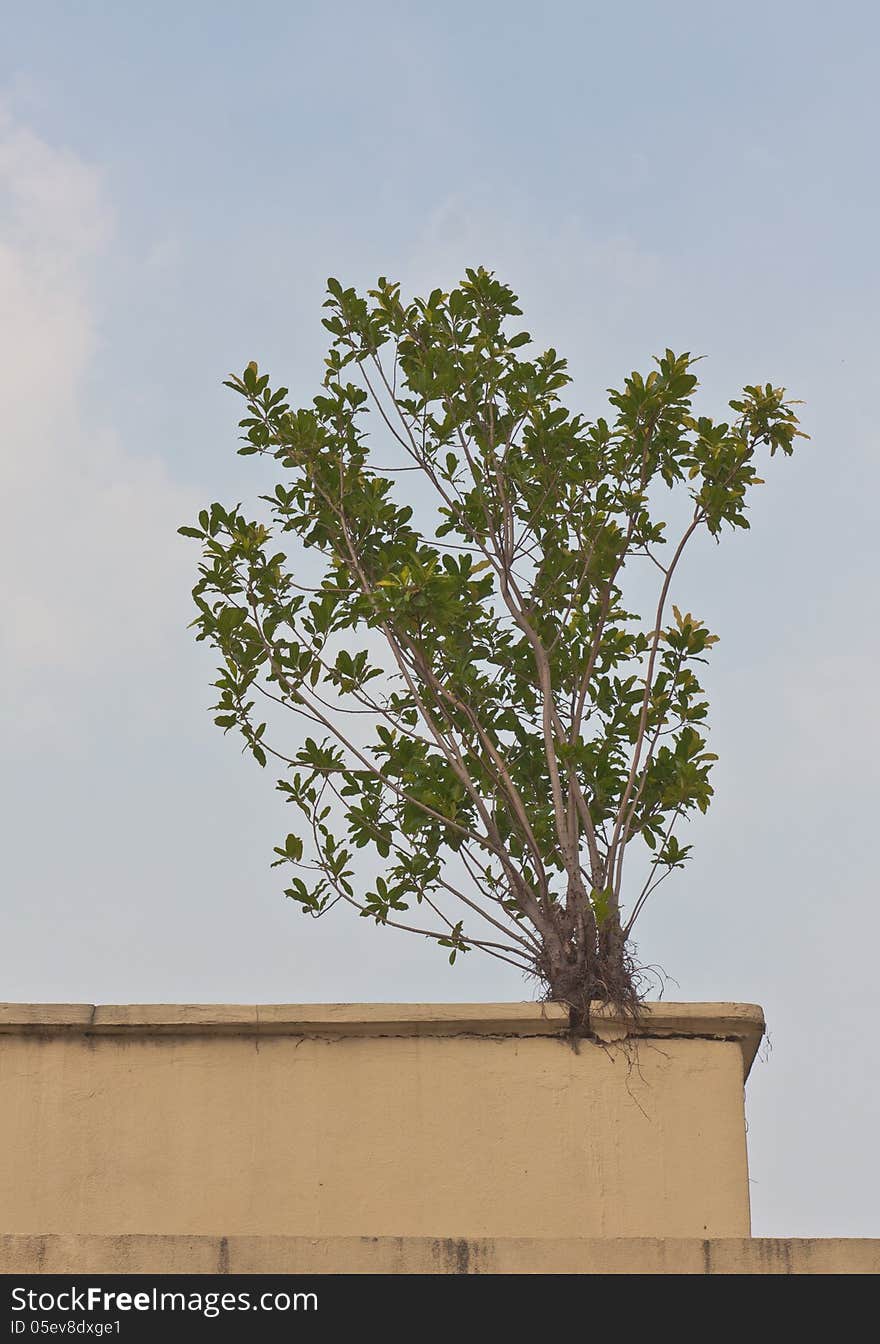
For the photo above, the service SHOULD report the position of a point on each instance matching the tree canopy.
(476, 708)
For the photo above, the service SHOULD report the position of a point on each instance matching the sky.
(176, 183)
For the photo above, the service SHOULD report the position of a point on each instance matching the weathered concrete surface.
(741, 1022)
(430, 1255)
(414, 1121)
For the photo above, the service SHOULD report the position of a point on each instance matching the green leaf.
(229, 619)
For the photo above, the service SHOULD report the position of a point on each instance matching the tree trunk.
(596, 969)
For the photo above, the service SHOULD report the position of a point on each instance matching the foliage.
(481, 711)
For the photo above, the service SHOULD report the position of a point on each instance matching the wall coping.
(189, 1254)
(741, 1022)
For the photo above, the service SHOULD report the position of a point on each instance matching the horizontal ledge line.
(721, 1021)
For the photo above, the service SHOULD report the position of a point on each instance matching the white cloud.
(93, 572)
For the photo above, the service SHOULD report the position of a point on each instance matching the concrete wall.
(433, 1255)
(455, 1122)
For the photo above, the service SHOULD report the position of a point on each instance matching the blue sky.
(176, 182)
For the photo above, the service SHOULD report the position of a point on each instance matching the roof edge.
(742, 1022)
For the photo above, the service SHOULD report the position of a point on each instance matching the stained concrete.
(433, 1255)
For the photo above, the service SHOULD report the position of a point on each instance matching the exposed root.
(610, 977)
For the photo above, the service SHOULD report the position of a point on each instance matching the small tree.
(482, 710)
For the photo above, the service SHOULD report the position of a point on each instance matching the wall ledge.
(741, 1022)
(145, 1254)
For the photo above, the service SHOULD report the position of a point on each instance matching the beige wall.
(433, 1255)
(401, 1121)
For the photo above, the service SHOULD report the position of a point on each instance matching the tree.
(483, 714)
